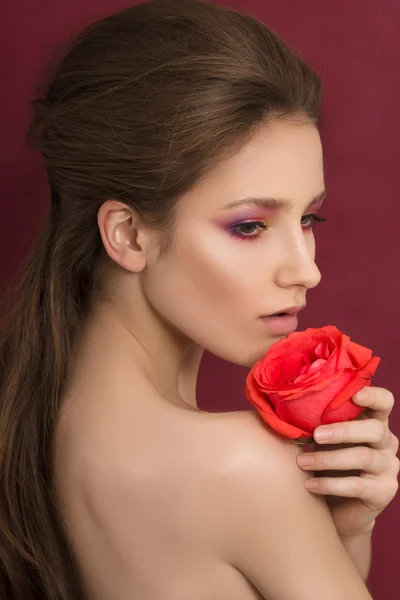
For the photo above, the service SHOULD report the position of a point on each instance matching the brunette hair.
(143, 104)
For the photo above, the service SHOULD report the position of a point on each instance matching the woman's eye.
(252, 229)
(245, 230)
(313, 219)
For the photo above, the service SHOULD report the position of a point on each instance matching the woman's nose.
(298, 267)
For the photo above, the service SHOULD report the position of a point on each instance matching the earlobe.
(122, 236)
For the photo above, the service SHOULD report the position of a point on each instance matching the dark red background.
(355, 47)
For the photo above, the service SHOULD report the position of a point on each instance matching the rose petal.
(305, 411)
(286, 429)
(355, 383)
(347, 411)
(359, 355)
(293, 392)
(292, 366)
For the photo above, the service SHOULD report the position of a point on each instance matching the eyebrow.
(272, 203)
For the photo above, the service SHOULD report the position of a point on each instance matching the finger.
(368, 431)
(396, 443)
(378, 401)
(357, 458)
(372, 492)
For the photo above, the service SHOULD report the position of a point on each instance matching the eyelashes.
(237, 230)
(240, 231)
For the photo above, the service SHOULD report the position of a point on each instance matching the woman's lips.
(281, 325)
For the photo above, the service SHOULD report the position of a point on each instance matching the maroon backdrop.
(355, 47)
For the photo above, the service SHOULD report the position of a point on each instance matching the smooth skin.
(164, 501)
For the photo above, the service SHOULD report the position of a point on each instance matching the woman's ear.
(126, 240)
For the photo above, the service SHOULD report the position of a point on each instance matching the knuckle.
(380, 430)
(385, 397)
(396, 465)
(366, 456)
(358, 486)
(390, 399)
(393, 488)
(392, 463)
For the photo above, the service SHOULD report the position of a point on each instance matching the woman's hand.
(358, 469)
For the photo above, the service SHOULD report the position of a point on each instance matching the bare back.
(139, 484)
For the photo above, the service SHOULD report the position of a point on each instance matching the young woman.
(184, 160)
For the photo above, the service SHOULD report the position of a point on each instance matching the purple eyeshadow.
(246, 216)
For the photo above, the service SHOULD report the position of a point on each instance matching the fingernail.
(305, 460)
(311, 483)
(323, 434)
(362, 396)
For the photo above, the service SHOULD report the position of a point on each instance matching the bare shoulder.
(245, 440)
(271, 528)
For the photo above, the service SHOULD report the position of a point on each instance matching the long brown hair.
(142, 105)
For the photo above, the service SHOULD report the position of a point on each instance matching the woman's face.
(229, 266)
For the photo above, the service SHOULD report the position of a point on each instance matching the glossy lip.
(281, 325)
(291, 310)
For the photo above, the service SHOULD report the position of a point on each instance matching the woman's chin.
(249, 361)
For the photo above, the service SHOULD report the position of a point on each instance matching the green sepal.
(303, 442)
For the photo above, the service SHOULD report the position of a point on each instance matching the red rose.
(308, 379)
